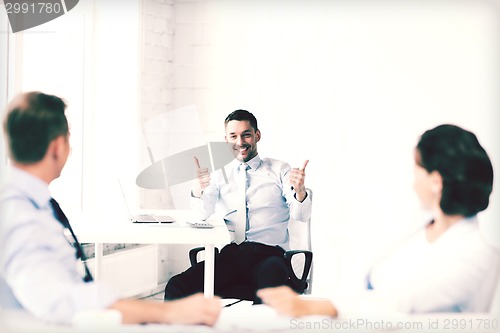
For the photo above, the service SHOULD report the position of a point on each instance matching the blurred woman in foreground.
(446, 266)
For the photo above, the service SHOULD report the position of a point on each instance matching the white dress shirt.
(38, 267)
(270, 201)
(457, 272)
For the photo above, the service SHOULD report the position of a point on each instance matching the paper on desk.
(248, 317)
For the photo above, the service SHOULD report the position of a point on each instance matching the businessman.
(257, 197)
(37, 263)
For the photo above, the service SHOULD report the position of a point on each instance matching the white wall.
(349, 85)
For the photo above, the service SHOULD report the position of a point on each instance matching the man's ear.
(52, 150)
(257, 135)
(56, 147)
(436, 182)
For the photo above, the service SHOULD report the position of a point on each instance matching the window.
(89, 57)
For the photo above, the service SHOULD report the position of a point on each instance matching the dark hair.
(33, 120)
(242, 115)
(464, 166)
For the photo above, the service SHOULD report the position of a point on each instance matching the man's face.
(244, 139)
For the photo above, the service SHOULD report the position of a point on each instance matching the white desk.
(178, 232)
(246, 318)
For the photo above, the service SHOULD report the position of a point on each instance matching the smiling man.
(257, 200)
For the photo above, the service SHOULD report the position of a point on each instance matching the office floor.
(153, 295)
(158, 297)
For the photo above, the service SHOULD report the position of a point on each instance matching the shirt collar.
(30, 186)
(254, 163)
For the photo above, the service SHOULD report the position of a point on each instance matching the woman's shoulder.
(470, 239)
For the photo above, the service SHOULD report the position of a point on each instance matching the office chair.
(298, 261)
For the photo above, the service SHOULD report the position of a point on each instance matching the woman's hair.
(464, 166)
(33, 120)
(241, 115)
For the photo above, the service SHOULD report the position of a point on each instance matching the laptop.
(145, 218)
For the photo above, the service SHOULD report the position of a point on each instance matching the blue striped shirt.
(38, 267)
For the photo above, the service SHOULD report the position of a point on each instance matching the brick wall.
(168, 82)
(156, 95)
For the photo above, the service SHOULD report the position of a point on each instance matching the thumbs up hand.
(297, 179)
(202, 179)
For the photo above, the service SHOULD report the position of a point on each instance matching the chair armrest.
(299, 284)
(193, 254)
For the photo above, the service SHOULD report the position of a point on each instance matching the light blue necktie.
(241, 217)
